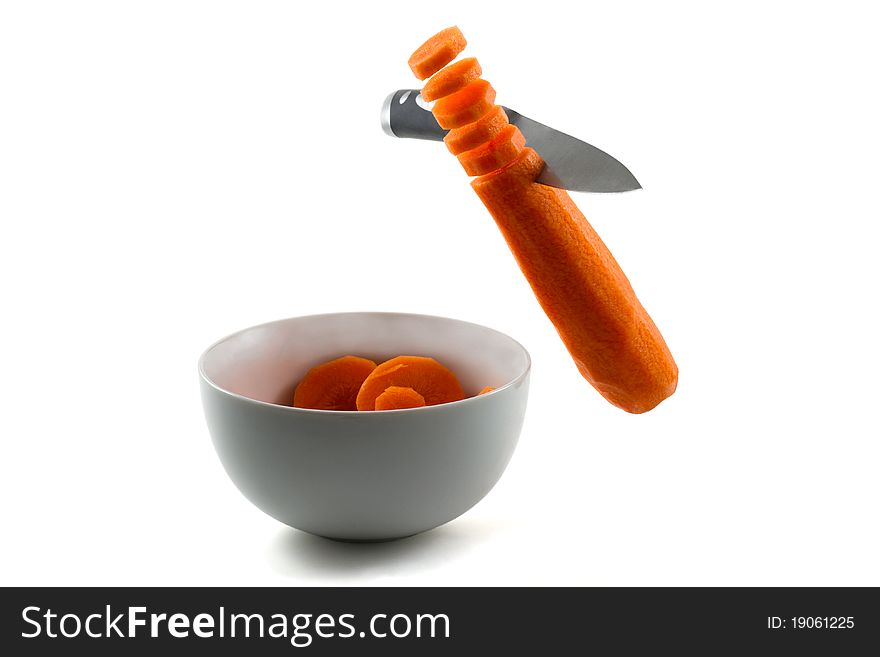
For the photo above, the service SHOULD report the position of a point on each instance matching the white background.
(171, 172)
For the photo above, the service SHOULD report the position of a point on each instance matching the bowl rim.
(315, 411)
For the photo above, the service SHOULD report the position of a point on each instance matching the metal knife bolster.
(406, 115)
(569, 162)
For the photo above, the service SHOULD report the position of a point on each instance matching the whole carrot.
(577, 281)
(580, 286)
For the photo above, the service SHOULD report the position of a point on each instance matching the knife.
(570, 163)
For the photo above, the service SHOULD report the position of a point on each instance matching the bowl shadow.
(298, 554)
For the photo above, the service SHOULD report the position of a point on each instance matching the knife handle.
(405, 114)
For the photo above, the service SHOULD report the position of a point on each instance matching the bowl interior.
(266, 362)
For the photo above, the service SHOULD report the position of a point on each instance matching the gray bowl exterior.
(366, 476)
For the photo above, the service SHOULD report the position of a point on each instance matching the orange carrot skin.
(437, 52)
(580, 286)
(397, 397)
(484, 129)
(465, 105)
(451, 79)
(494, 154)
(486, 390)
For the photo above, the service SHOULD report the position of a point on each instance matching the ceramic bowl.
(363, 476)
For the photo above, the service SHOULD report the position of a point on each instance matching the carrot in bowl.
(426, 376)
(396, 397)
(333, 386)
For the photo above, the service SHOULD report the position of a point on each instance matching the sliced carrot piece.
(396, 397)
(465, 105)
(485, 390)
(526, 166)
(333, 386)
(580, 286)
(484, 129)
(494, 154)
(452, 78)
(437, 52)
(426, 376)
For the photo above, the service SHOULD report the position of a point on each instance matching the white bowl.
(363, 476)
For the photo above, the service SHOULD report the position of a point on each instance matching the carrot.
(465, 105)
(437, 52)
(333, 385)
(493, 154)
(486, 390)
(396, 397)
(451, 79)
(424, 375)
(484, 129)
(580, 286)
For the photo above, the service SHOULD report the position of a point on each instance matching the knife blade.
(570, 163)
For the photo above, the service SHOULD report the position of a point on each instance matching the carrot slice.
(465, 105)
(437, 52)
(580, 286)
(396, 397)
(479, 132)
(426, 376)
(494, 154)
(333, 386)
(485, 390)
(452, 78)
